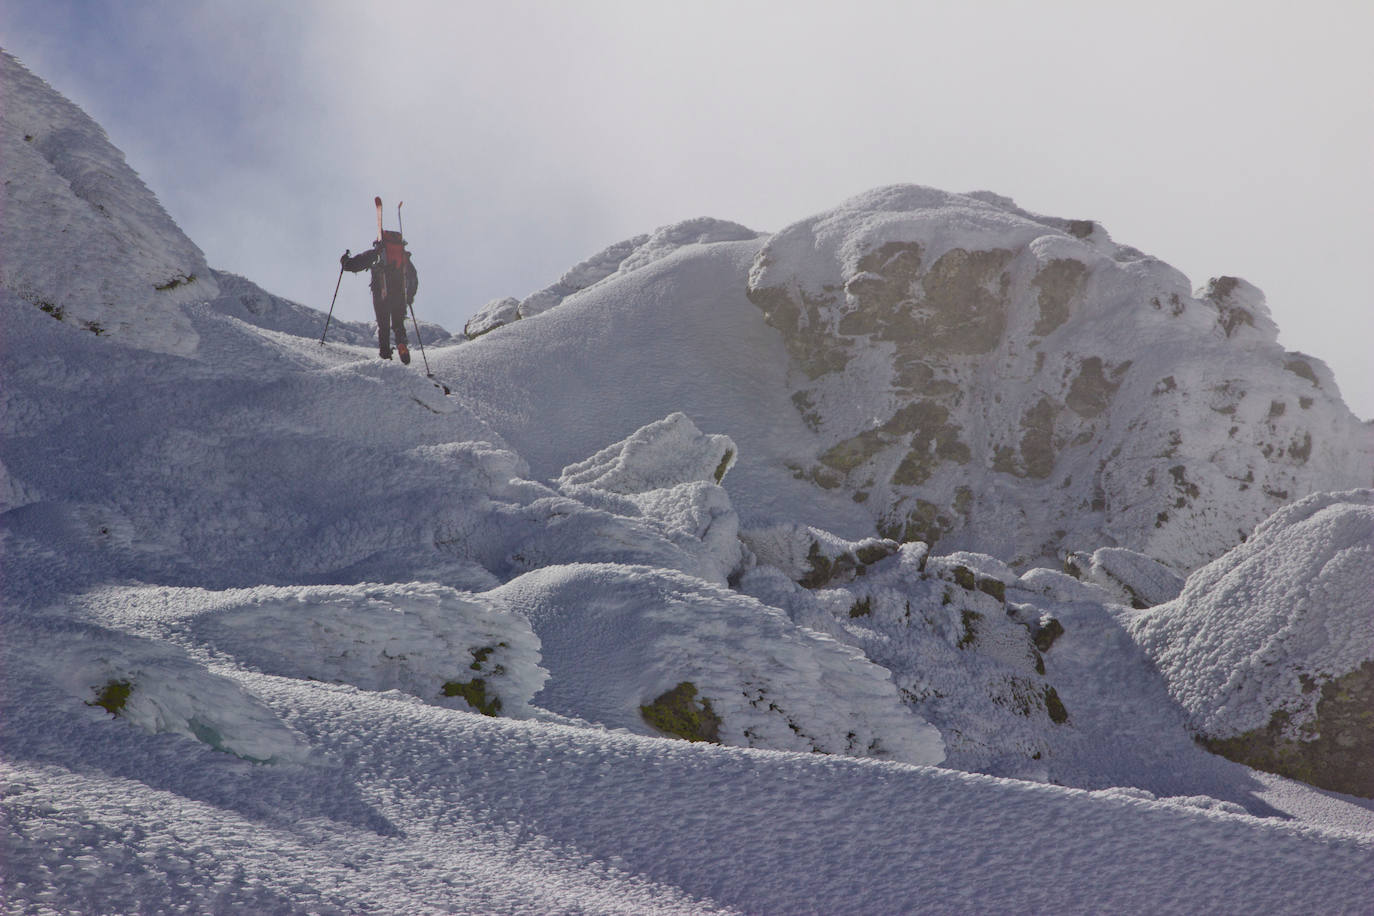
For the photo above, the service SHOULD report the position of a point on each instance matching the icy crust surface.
(1023, 386)
(1256, 631)
(83, 237)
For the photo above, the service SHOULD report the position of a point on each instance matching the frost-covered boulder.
(669, 452)
(432, 642)
(84, 238)
(667, 474)
(1270, 648)
(961, 656)
(620, 642)
(1022, 385)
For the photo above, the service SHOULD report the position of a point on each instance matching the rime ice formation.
(1270, 648)
(285, 628)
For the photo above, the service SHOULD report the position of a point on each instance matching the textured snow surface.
(80, 233)
(615, 638)
(617, 260)
(1293, 603)
(253, 588)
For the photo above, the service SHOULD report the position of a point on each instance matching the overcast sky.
(1224, 137)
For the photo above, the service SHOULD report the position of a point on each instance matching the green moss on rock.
(724, 465)
(679, 713)
(994, 587)
(964, 578)
(112, 696)
(970, 621)
(475, 693)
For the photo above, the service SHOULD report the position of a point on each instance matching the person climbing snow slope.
(394, 281)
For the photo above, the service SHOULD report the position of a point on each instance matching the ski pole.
(331, 305)
(400, 227)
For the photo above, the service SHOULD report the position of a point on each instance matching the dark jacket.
(386, 279)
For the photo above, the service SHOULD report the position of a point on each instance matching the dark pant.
(391, 316)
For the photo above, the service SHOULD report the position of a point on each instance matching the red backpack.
(396, 254)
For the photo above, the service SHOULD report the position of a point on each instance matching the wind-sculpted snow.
(663, 454)
(667, 473)
(615, 638)
(83, 238)
(285, 628)
(418, 638)
(1132, 578)
(146, 682)
(1274, 642)
(1023, 385)
(631, 255)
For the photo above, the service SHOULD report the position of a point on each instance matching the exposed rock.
(814, 558)
(1335, 748)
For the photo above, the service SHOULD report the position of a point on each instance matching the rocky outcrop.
(1022, 385)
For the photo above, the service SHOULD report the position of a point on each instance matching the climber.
(394, 282)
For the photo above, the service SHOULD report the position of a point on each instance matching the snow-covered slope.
(284, 628)
(81, 237)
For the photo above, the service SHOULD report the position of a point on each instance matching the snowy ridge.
(616, 260)
(285, 628)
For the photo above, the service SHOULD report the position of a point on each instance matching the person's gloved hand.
(343, 258)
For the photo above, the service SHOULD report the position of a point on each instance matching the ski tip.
(377, 201)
